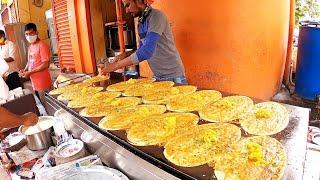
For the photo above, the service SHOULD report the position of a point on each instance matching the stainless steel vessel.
(41, 140)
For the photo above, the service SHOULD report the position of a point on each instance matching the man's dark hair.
(2, 33)
(30, 26)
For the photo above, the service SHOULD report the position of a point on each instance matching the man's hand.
(116, 64)
(107, 69)
(21, 72)
(100, 67)
(26, 74)
(29, 119)
(5, 76)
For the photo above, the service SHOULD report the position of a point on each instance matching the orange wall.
(81, 36)
(232, 46)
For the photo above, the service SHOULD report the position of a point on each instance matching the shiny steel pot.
(41, 140)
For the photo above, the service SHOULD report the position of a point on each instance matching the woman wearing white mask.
(38, 63)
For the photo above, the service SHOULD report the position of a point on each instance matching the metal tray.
(293, 138)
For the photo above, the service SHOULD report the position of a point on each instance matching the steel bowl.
(40, 140)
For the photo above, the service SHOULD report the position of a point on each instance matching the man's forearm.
(124, 55)
(110, 67)
(9, 59)
(42, 67)
(27, 66)
(122, 63)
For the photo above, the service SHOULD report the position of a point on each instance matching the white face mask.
(32, 39)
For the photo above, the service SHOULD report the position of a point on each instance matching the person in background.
(11, 120)
(156, 44)
(8, 51)
(37, 68)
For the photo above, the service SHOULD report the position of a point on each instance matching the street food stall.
(150, 159)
